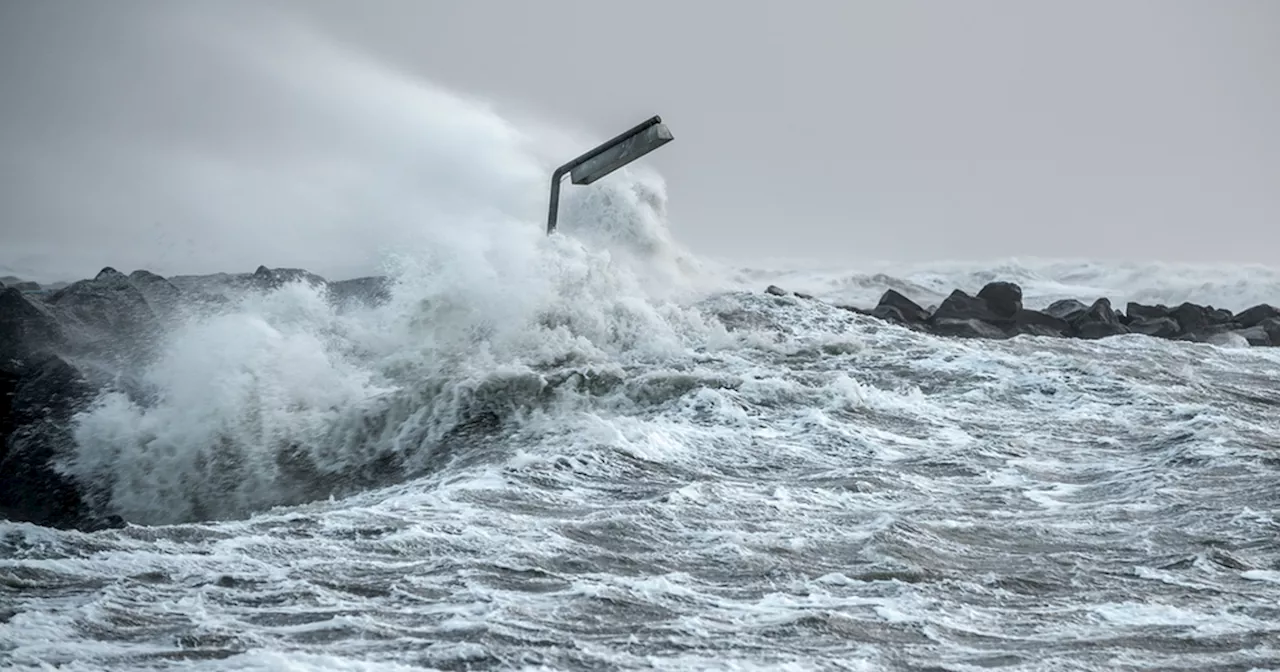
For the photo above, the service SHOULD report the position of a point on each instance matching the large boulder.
(1137, 311)
(1256, 336)
(966, 328)
(1004, 299)
(370, 291)
(1191, 317)
(1256, 315)
(1099, 321)
(27, 326)
(1159, 327)
(1038, 323)
(271, 278)
(37, 401)
(895, 307)
(163, 296)
(107, 316)
(1271, 325)
(1067, 310)
(960, 306)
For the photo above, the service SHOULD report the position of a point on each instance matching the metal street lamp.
(608, 157)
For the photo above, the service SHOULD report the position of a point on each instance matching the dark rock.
(1271, 325)
(965, 328)
(1138, 311)
(1098, 321)
(1159, 327)
(889, 314)
(1254, 316)
(1067, 310)
(163, 296)
(961, 306)
(1101, 312)
(26, 326)
(1219, 316)
(1096, 330)
(107, 316)
(853, 309)
(1256, 335)
(802, 295)
(1037, 323)
(272, 278)
(372, 291)
(1002, 298)
(39, 399)
(1191, 317)
(907, 310)
(776, 290)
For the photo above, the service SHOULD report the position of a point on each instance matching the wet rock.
(1254, 316)
(1191, 317)
(776, 291)
(1096, 330)
(1219, 316)
(1272, 327)
(38, 400)
(163, 296)
(273, 278)
(107, 316)
(1159, 327)
(960, 306)
(1038, 323)
(27, 326)
(1256, 336)
(1067, 310)
(966, 328)
(1099, 321)
(370, 291)
(1002, 298)
(889, 314)
(1138, 311)
(904, 309)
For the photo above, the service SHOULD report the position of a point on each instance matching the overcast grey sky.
(206, 136)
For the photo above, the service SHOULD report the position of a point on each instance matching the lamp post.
(608, 157)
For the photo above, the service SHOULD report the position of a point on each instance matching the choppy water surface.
(779, 484)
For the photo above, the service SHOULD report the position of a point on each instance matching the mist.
(190, 137)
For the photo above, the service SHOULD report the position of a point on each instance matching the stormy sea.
(600, 452)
